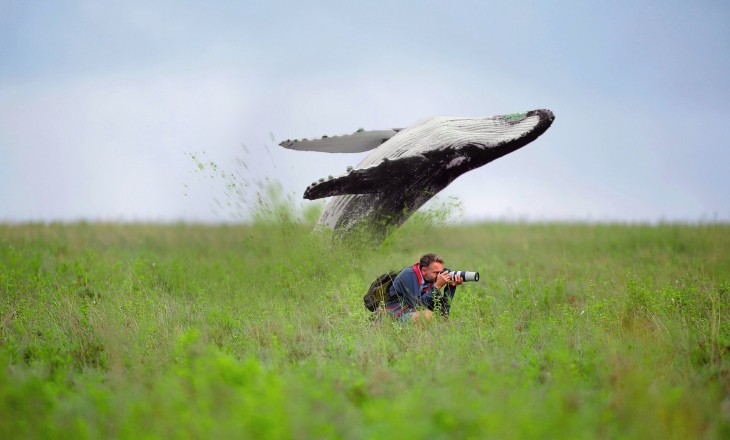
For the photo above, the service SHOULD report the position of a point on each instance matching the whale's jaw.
(402, 174)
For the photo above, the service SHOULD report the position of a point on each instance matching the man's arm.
(441, 299)
(407, 288)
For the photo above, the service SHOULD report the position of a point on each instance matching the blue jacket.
(410, 291)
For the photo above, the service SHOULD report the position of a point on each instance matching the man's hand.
(456, 281)
(442, 279)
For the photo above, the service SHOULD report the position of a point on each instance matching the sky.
(153, 110)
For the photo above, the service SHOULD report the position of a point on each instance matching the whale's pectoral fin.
(388, 175)
(357, 142)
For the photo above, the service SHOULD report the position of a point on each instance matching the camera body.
(465, 275)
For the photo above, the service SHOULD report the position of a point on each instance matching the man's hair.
(427, 259)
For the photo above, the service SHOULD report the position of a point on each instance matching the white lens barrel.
(466, 275)
(470, 276)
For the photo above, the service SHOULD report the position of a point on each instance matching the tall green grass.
(258, 331)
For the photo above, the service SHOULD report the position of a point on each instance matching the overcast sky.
(107, 107)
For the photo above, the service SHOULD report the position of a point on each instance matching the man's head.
(431, 265)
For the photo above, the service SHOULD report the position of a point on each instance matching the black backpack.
(378, 290)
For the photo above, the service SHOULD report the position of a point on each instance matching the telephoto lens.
(465, 275)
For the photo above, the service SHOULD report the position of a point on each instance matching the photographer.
(416, 291)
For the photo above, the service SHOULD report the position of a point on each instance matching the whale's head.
(460, 144)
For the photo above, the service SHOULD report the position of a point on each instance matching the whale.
(406, 167)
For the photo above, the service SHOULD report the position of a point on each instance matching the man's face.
(431, 272)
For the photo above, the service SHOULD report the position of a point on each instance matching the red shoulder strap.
(417, 269)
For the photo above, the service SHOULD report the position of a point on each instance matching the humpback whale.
(408, 166)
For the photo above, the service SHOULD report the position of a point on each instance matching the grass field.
(185, 331)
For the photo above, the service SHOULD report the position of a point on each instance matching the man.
(416, 291)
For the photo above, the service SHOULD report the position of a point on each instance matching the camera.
(465, 275)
